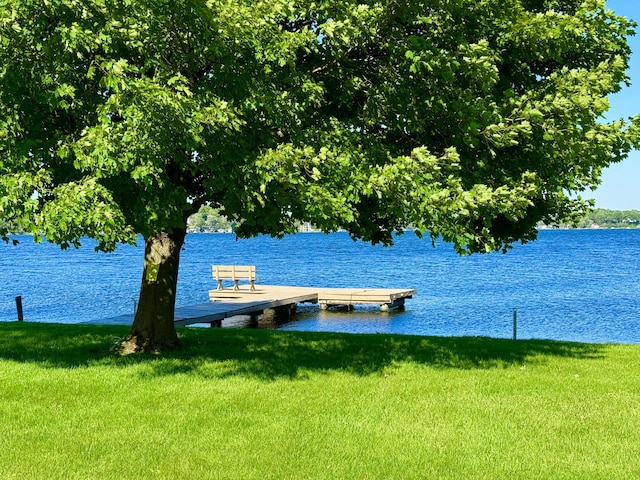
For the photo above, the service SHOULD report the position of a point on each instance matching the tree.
(470, 120)
(208, 219)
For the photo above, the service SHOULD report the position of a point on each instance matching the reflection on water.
(361, 319)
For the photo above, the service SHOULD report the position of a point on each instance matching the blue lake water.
(578, 285)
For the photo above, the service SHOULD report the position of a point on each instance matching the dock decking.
(277, 300)
(384, 297)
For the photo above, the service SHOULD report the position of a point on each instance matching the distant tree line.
(611, 219)
(210, 220)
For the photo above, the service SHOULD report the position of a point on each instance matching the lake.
(577, 285)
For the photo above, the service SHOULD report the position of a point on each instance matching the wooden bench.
(235, 273)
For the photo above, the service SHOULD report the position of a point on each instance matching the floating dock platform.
(276, 304)
(386, 298)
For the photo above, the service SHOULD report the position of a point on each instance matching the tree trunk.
(153, 326)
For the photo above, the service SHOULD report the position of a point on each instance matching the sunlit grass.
(267, 404)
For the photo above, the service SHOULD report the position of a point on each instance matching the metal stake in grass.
(19, 308)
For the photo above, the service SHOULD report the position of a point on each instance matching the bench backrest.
(234, 272)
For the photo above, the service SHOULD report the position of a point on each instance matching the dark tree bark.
(153, 327)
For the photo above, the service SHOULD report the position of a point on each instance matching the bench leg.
(235, 285)
(253, 284)
(220, 287)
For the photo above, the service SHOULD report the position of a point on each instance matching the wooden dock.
(285, 298)
(386, 298)
(276, 303)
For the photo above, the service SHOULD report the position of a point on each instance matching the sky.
(620, 187)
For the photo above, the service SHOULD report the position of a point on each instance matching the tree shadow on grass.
(58, 345)
(269, 354)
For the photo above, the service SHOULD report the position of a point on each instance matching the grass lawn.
(261, 404)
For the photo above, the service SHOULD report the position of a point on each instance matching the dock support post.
(397, 303)
(277, 315)
(515, 324)
(19, 308)
(268, 318)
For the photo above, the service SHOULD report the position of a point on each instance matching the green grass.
(259, 404)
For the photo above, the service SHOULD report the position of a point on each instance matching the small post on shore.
(515, 324)
(19, 308)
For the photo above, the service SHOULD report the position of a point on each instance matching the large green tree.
(472, 120)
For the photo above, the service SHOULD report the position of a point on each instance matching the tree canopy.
(473, 120)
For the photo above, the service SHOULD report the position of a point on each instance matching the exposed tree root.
(134, 344)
